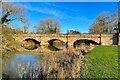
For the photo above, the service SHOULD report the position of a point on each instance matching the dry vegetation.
(67, 65)
(0, 51)
(8, 42)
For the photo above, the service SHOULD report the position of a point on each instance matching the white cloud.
(57, 13)
(57, 6)
(52, 12)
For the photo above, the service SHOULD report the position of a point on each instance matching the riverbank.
(62, 64)
(9, 44)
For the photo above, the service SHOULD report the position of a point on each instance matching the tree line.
(106, 23)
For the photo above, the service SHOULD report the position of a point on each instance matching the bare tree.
(106, 23)
(12, 12)
(49, 25)
(25, 28)
(100, 25)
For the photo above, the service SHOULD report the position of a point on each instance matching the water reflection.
(19, 64)
(30, 44)
(43, 66)
(56, 45)
(84, 41)
(48, 65)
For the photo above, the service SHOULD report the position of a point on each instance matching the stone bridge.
(106, 39)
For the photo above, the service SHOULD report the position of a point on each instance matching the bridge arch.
(86, 41)
(52, 40)
(34, 40)
(30, 43)
(60, 43)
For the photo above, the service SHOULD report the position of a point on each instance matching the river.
(35, 65)
(19, 63)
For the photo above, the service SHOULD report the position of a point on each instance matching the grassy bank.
(8, 42)
(102, 62)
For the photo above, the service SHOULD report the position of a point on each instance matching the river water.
(19, 64)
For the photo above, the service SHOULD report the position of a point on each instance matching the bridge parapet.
(106, 39)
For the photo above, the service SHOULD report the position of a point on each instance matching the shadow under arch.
(52, 47)
(30, 44)
(86, 41)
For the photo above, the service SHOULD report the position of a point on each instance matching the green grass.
(102, 62)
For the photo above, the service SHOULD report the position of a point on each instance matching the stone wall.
(106, 39)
